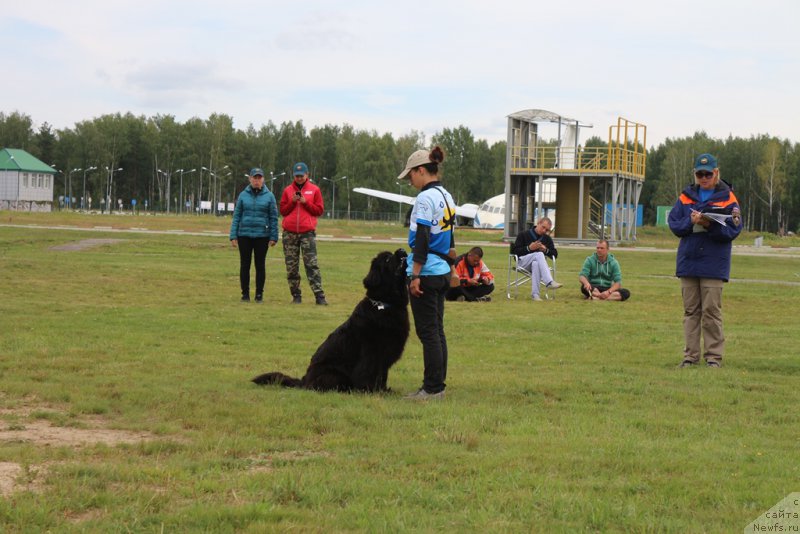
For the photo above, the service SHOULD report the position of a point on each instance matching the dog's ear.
(402, 257)
(373, 278)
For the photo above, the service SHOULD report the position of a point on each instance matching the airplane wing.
(467, 211)
(394, 197)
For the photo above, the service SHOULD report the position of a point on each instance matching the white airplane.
(490, 214)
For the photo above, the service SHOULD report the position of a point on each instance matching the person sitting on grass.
(601, 277)
(477, 281)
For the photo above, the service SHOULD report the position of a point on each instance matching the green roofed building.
(26, 183)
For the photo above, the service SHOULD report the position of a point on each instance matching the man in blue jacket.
(254, 227)
(707, 219)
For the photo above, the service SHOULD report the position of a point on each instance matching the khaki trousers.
(702, 311)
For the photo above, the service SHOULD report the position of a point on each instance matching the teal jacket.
(255, 215)
(601, 274)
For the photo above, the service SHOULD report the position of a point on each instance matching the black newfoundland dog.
(357, 355)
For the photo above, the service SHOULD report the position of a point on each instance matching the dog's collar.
(379, 305)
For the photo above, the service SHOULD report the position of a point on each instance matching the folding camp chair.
(517, 276)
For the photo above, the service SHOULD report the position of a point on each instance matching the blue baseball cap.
(300, 169)
(255, 171)
(705, 162)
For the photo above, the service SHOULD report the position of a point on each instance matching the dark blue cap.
(256, 171)
(705, 162)
(300, 169)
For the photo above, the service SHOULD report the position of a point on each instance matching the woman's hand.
(414, 289)
(697, 218)
(234, 243)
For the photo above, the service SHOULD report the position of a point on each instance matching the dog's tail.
(278, 379)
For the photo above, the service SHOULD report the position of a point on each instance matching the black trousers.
(248, 246)
(428, 313)
(624, 293)
(470, 293)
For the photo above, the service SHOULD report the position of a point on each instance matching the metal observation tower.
(592, 192)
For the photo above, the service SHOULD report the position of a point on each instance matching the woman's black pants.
(248, 246)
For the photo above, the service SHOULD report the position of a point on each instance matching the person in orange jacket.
(477, 281)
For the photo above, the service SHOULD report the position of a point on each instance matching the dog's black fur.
(358, 354)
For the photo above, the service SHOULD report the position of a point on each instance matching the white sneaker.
(536, 298)
(422, 395)
(554, 285)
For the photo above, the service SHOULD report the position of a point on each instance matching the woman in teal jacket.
(253, 229)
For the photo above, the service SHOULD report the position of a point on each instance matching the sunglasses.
(704, 174)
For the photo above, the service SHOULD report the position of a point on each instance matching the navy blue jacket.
(704, 253)
(255, 215)
(526, 237)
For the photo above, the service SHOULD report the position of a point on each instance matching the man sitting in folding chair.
(531, 247)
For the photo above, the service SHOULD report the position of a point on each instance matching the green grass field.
(560, 416)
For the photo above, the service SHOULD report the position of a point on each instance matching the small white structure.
(26, 183)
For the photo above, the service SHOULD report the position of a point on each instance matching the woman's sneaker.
(422, 395)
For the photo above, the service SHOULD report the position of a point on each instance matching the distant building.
(26, 183)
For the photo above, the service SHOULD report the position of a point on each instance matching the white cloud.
(677, 67)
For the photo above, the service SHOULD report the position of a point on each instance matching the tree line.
(763, 170)
(168, 163)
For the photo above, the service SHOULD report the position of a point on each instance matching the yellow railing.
(589, 160)
(628, 140)
(625, 154)
(596, 216)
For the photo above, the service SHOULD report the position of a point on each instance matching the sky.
(726, 68)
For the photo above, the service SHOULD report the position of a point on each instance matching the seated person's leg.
(525, 262)
(471, 293)
(536, 277)
(453, 293)
(620, 294)
(544, 269)
(482, 290)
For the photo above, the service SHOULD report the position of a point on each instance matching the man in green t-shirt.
(601, 277)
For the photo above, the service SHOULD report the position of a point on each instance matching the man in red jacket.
(301, 205)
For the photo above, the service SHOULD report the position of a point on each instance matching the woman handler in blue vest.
(431, 239)
(253, 228)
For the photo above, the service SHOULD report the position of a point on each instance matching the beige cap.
(420, 157)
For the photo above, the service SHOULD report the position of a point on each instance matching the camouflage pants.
(293, 246)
